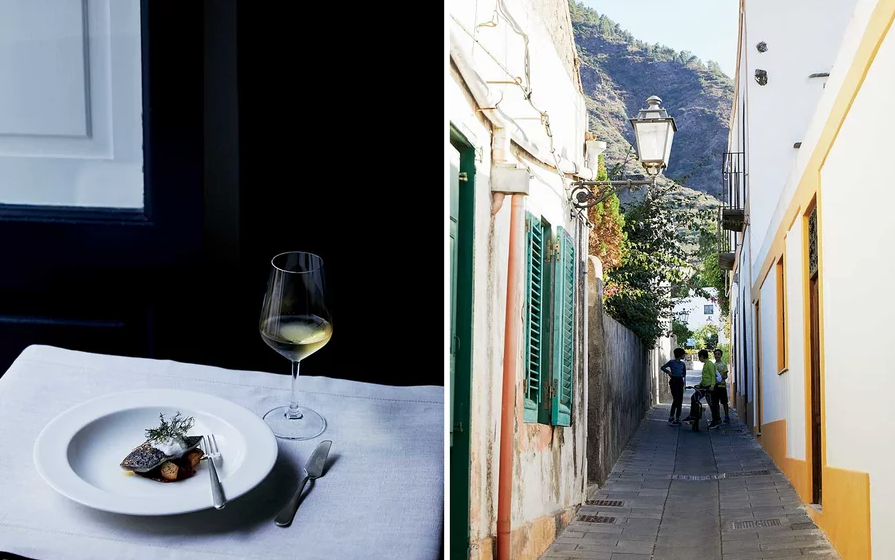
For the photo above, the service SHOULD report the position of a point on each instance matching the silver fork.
(211, 453)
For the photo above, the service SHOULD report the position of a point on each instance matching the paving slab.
(685, 494)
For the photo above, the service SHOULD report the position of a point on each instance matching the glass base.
(309, 426)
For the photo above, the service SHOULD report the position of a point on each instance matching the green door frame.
(461, 328)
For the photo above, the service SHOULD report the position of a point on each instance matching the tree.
(681, 332)
(706, 336)
(607, 238)
(638, 292)
(710, 274)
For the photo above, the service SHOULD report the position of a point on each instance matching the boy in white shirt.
(720, 392)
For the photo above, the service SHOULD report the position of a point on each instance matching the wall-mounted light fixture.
(761, 76)
(653, 134)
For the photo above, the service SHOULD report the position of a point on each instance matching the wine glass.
(296, 322)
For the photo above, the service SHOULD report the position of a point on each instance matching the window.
(708, 309)
(549, 324)
(71, 132)
(781, 317)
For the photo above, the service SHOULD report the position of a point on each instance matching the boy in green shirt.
(707, 383)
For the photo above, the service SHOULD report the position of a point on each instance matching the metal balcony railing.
(733, 191)
(726, 253)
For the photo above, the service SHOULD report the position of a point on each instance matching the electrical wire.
(527, 92)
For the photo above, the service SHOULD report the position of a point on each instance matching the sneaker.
(677, 422)
(671, 420)
(688, 419)
(714, 425)
(727, 419)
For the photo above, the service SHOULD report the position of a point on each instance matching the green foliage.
(608, 238)
(725, 352)
(709, 272)
(176, 428)
(706, 337)
(681, 332)
(638, 293)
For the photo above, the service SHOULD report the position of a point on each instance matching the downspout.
(500, 155)
(512, 329)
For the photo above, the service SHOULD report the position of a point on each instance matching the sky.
(707, 28)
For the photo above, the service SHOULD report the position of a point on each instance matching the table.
(383, 496)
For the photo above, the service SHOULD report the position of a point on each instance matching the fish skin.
(145, 457)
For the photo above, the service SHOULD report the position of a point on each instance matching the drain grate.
(596, 519)
(756, 523)
(741, 474)
(608, 503)
(694, 477)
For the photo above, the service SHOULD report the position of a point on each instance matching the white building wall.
(856, 233)
(795, 327)
(747, 356)
(489, 302)
(856, 23)
(556, 93)
(691, 310)
(802, 37)
(774, 397)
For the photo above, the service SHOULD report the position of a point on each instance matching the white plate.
(78, 453)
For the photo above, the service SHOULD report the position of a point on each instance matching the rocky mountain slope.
(619, 72)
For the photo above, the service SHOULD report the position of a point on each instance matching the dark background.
(268, 127)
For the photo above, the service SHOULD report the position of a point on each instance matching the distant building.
(696, 312)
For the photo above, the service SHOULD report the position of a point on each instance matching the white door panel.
(71, 103)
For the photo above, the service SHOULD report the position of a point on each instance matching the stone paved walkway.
(676, 494)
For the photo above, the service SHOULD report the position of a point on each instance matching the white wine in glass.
(296, 322)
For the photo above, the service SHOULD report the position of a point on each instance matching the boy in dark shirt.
(676, 370)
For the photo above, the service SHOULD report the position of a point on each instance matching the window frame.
(782, 343)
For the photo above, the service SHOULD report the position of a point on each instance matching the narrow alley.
(675, 494)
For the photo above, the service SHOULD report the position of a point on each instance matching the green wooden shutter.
(563, 328)
(534, 315)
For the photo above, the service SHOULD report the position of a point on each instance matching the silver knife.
(313, 470)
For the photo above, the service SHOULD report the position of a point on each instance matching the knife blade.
(313, 469)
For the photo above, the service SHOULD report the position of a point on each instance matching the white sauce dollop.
(172, 447)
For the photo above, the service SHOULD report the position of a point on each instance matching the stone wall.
(623, 381)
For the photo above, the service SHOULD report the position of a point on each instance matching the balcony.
(732, 214)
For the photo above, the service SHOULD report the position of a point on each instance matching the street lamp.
(653, 133)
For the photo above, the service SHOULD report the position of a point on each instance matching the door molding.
(460, 450)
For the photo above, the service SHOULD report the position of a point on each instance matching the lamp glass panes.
(654, 132)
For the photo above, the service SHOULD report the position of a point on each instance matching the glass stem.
(293, 413)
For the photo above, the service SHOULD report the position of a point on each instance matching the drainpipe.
(512, 331)
(509, 179)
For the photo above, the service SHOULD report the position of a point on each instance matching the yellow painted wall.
(846, 495)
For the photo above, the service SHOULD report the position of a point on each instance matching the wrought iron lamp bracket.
(583, 196)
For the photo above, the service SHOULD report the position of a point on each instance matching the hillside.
(618, 73)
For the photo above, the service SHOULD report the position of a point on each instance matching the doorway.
(814, 337)
(462, 174)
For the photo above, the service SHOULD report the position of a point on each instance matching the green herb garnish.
(176, 428)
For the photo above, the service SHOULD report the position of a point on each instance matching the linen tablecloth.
(382, 496)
